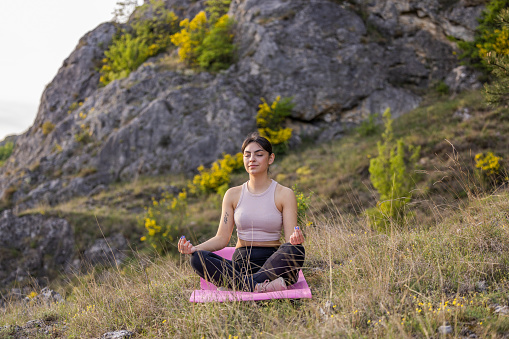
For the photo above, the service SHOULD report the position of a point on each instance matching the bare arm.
(224, 231)
(293, 234)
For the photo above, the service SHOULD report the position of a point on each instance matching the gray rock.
(445, 329)
(32, 246)
(480, 286)
(461, 78)
(34, 324)
(501, 309)
(50, 296)
(117, 334)
(107, 251)
(463, 114)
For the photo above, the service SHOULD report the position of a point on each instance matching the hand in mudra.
(185, 246)
(297, 236)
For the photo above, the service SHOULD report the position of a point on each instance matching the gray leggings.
(250, 266)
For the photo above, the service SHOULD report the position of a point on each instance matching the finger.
(292, 239)
(181, 243)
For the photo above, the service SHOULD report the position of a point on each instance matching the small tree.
(498, 90)
(390, 174)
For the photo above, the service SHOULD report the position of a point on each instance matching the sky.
(35, 38)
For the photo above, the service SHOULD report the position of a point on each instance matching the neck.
(259, 184)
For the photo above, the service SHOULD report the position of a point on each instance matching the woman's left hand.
(297, 236)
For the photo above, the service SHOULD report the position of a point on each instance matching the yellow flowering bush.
(217, 8)
(488, 37)
(495, 41)
(491, 168)
(47, 127)
(489, 163)
(217, 177)
(302, 204)
(204, 43)
(142, 39)
(270, 119)
(190, 37)
(84, 136)
(164, 220)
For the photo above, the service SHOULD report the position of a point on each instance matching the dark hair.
(255, 137)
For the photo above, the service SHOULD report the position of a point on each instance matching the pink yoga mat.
(210, 293)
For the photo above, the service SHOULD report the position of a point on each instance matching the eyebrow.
(258, 150)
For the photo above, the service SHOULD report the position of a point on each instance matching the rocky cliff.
(339, 60)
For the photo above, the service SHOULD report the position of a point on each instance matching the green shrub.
(442, 88)
(204, 43)
(47, 127)
(84, 136)
(270, 119)
(217, 8)
(164, 220)
(217, 50)
(142, 39)
(6, 151)
(302, 204)
(498, 62)
(368, 127)
(488, 37)
(390, 173)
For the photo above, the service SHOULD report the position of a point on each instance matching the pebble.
(117, 335)
(445, 329)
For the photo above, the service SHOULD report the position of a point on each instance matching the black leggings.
(250, 266)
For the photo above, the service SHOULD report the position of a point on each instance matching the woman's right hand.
(185, 246)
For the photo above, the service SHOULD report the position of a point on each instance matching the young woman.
(260, 208)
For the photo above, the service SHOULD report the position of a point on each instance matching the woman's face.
(256, 159)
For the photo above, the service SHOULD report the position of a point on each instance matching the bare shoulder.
(284, 192)
(232, 196)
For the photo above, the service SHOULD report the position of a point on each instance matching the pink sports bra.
(256, 215)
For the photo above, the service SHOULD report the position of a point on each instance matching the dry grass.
(448, 264)
(403, 284)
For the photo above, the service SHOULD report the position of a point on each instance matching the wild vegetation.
(6, 151)
(447, 263)
(489, 36)
(437, 264)
(270, 121)
(206, 43)
(142, 38)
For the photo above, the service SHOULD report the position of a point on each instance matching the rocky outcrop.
(339, 61)
(33, 247)
(107, 252)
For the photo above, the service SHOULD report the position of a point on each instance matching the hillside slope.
(339, 61)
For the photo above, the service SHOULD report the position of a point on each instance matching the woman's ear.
(271, 158)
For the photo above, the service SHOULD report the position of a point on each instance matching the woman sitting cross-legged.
(261, 208)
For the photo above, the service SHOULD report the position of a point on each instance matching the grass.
(402, 285)
(448, 264)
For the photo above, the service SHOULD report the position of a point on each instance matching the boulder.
(33, 246)
(107, 251)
